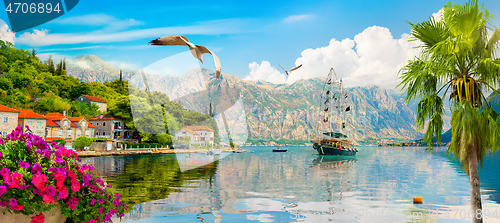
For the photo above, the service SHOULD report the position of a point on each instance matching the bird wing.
(204, 50)
(282, 67)
(295, 68)
(170, 41)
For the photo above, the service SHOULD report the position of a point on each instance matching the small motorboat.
(277, 150)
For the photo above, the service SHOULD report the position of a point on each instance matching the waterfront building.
(200, 134)
(9, 120)
(103, 105)
(37, 123)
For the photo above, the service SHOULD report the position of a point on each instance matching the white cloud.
(438, 15)
(110, 22)
(42, 38)
(124, 65)
(5, 33)
(373, 57)
(296, 18)
(55, 56)
(266, 72)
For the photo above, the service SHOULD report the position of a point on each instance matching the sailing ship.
(332, 138)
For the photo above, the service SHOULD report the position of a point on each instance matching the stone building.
(8, 120)
(103, 105)
(60, 126)
(201, 134)
(36, 123)
(113, 127)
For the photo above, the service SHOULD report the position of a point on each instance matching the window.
(83, 123)
(4, 133)
(69, 132)
(5, 119)
(104, 124)
(87, 133)
(103, 133)
(60, 132)
(78, 132)
(31, 123)
(65, 123)
(39, 124)
(81, 99)
(39, 133)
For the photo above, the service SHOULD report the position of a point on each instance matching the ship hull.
(330, 150)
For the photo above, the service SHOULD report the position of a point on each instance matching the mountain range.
(267, 110)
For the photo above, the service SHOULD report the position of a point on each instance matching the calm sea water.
(376, 185)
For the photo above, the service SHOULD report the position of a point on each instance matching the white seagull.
(290, 71)
(196, 50)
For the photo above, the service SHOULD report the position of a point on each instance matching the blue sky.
(249, 37)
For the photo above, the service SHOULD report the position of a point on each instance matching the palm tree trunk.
(475, 196)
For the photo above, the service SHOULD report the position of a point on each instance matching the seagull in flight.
(290, 71)
(196, 50)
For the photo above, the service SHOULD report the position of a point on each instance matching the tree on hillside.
(457, 56)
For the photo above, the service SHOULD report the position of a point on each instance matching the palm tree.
(455, 55)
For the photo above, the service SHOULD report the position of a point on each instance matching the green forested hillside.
(43, 87)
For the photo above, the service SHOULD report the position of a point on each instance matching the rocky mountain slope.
(268, 111)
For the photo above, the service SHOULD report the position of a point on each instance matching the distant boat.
(277, 150)
(333, 102)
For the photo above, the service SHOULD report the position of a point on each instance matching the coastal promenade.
(147, 152)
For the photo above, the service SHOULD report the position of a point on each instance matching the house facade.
(37, 123)
(103, 105)
(113, 127)
(8, 120)
(200, 134)
(68, 128)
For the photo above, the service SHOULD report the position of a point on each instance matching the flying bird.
(290, 71)
(196, 50)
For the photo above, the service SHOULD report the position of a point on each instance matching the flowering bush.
(38, 176)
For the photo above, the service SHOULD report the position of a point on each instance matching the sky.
(366, 42)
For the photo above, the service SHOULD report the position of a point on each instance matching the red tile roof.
(29, 114)
(104, 117)
(51, 123)
(94, 98)
(198, 128)
(75, 119)
(55, 114)
(91, 126)
(7, 109)
(191, 131)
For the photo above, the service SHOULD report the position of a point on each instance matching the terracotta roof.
(51, 123)
(104, 117)
(25, 113)
(55, 114)
(94, 98)
(198, 128)
(191, 131)
(75, 119)
(91, 126)
(7, 109)
(56, 118)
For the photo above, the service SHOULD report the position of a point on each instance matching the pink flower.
(14, 180)
(63, 194)
(38, 219)
(101, 210)
(75, 185)
(48, 199)
(93, 201)
(12, 202)
(3, 189)
(18, 208)
(24, 164)
(39, 181)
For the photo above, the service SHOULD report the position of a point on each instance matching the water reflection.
(296, 186)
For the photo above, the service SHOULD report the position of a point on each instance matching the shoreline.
(147, 152)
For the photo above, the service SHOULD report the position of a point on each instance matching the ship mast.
(333, 105)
